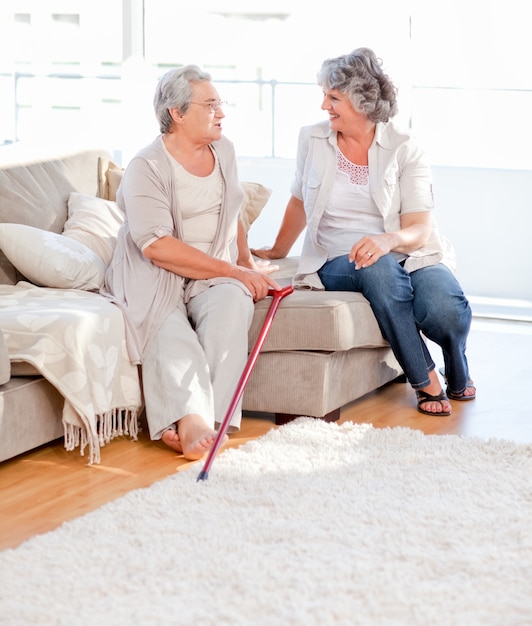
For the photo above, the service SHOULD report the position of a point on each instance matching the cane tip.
(203, 475)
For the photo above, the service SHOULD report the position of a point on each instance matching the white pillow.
(51, 260)
(93, 222)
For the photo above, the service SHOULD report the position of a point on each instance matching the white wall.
(486, 213)
(276, 174)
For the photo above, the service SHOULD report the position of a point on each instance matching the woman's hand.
(265, 267)
(369, 250)
(413, 234)
(265, 253)
(256, 281)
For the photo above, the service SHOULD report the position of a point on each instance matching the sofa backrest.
(34, 189)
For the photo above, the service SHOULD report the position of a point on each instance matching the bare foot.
(196, 436)
(470, 392)
(171, 439)
(436, 407)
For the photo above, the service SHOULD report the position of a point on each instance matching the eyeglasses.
(214, 105)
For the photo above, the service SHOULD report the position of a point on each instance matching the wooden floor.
(41, 489)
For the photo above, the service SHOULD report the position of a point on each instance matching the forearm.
(176, 256)
(408, 239)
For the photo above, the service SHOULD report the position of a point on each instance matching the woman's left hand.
(261, 265)
(413, 234)
(369, 249)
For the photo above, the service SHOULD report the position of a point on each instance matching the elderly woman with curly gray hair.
(363, 191)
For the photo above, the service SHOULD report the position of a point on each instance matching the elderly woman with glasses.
(182, 272)
(363, 190)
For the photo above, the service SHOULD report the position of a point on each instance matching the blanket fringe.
(111, 424)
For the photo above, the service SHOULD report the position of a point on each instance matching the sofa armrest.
(5, 365)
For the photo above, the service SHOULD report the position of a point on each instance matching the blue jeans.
(429, 300)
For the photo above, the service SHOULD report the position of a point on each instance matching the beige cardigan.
(145, 292)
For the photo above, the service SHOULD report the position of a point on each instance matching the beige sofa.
(323, 351)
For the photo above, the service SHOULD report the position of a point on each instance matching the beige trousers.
(194, 362)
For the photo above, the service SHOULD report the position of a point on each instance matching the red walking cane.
(278, 295)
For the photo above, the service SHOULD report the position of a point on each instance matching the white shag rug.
(312, 524)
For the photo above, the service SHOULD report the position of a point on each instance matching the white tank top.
(200, 201)
(351, 212)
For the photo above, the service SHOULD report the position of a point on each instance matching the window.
(461, 67)
(472, 84)
(60, 68)
(264, 57)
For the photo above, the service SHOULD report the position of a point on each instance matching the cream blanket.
(76, 340)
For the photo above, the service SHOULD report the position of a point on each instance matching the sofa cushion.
(94, 222)
(5, 366)
(50, 260)
(316, 320)
(301, 382)
(34, 187)
(319, 320)
(30, 415)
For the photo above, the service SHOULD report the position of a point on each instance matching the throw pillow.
(51, 260)
(114, 179)
(109, 177)
(93, 222)
(255, 198)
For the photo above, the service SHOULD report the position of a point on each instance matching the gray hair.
(359, 75)
(174, 91)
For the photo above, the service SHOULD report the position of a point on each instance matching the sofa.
(63, 363)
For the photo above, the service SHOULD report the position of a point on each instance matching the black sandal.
(423, 396)
(459, 396)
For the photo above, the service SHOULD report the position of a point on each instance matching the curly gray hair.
(174, 91)
(360, 76)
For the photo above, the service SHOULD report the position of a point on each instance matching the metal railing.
(15, 102)
(268, 111)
